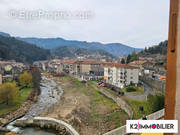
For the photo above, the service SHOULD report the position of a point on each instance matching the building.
(89, 70)
(145, 67)
(120, 75)
(84, 69)
(69, 66)
(0, 79)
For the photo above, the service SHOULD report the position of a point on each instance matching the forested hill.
(13, 49)
(157, 52)
(158, 49)
(74, 52)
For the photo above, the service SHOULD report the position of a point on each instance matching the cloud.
(138, 23)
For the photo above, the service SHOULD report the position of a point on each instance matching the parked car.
(83, 81)
(104, 85)
(99, 83)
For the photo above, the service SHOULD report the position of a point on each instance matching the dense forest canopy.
(13, 49)
(158, 49)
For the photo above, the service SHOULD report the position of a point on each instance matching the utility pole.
(172, 97)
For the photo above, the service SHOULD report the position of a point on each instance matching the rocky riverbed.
(50, 94)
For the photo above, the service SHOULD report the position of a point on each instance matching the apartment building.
(91, 70)
(69, 66)
(121, 75)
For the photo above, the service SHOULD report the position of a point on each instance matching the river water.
(50, 94)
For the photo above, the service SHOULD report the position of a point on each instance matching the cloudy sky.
(137, 23)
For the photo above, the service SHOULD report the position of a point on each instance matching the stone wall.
(120, 102)
(122, 130)
(47, 123)
(154, 83)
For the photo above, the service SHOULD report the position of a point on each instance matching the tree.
(134, 56)
(145, 49)
(36, 78)
(128, 59)
(122, 61)
(25, 80)
(8, 92)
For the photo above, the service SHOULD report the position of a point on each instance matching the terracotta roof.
(5, 62)
(119, 65)
(90, 62)
(69, 61)
(137, 62)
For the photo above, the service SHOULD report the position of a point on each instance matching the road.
(147, 90)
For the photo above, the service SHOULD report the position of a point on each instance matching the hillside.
(157, 52)
(13, 49)
(161, 49)
(74, 52)
(116, 49)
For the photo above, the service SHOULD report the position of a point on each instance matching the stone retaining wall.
(120, 102)
(47, 123)
(122, 130)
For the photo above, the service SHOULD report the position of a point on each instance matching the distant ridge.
(115, 49)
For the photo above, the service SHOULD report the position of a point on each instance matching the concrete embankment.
(47, 123)
(120, 102)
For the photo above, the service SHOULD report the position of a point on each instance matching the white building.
(121, 75)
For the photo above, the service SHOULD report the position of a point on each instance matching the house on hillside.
(145, 67)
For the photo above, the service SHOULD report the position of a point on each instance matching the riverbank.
(27, 98)
(49, 95)
(85, 108)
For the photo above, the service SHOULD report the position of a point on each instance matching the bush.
(130, 89)
(156, 102)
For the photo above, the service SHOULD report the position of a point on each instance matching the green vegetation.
(8, 92)
(136, 104)
(153, 104)
(158, 52)
(22, 97)
(25, 80)
(156, 102)
(12, 97)
(158, 49)
(132, 57)
(130, 89)
(73, 51)
(116, 117)
(13, 49)
(123, 61)
(139, 89)
(102, 108)
(36, 78)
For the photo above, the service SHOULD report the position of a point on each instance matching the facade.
(84, 69)
(0, 79)
(145, 67)
(121, 75)
(90, 70)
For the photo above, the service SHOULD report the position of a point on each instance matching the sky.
(137, 23)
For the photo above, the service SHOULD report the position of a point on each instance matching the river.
(50, 94)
